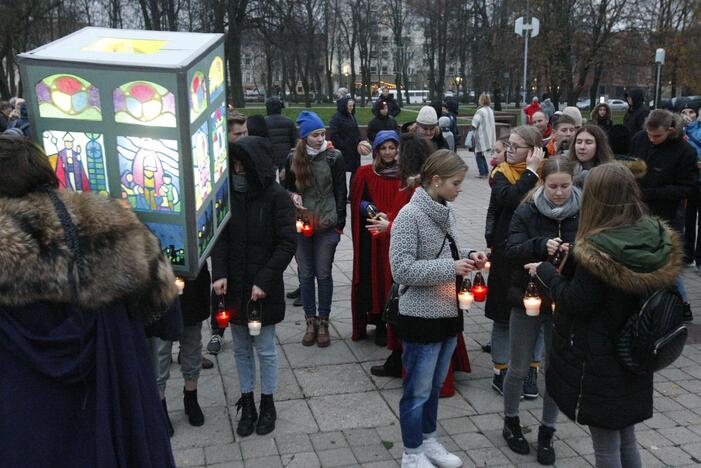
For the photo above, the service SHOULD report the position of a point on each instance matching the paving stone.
(581, 445)
(356, 437)
(216, 429)
(371, 453)
(293, 443)
(447, 407)
(673, 456)
(188, 457)
(333, 380)
(571, 462)
(350, 411)
(337, 457)
(488, 457)
(313, 356)
(257, 448)
(659, 421)
(679, 435)
(229, 464)
(222, 453)
(688, 400)
(458, 425)
(391, 433)
(381, 464)
(264, 462)
(301, 460)
(328, 440)
(293, 416)
(472, 440)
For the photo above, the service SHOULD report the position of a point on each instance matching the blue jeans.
(501, 349)
(426, 366)
(314, 260)
(267, 358)
(482, 164)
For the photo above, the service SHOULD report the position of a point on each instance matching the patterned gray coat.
(417, 236)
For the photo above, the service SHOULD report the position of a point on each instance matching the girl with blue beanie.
(315, 176)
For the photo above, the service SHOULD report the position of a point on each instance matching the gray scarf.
(558, 212)
(239, 183)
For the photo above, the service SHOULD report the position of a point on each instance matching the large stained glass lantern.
(139, 116)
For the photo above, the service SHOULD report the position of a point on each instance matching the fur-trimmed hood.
(602, 265)
(636, 165)
(122, 258)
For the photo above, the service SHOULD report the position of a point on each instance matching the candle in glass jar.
(307, 230)
(465, 299)
(222, 318)
(299, 225)
(254, 327)
(532, 305)
(487, 266)
(480, 293)
(180, 284)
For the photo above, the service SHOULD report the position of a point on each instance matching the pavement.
(332, 412)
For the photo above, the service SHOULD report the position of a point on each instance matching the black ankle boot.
(391, 368)
(381, 334)
(192, 408)
(249, 415)
(546, 452)
(266, 421)
(513, 435)
(171, 431)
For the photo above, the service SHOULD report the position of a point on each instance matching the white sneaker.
(416, 460)
(439, 455)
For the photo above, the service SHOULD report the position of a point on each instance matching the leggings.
(615, 448)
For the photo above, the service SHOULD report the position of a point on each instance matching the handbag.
(470, 140)
(390, 314)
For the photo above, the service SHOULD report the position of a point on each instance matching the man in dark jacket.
(382, 120)
(248, 262)
(637, 111)
(282, 132)
(345, 134)
(392, 105)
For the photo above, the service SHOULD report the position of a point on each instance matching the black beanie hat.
(690, 105)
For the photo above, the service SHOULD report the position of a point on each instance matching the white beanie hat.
(427, 116)
(575, 114)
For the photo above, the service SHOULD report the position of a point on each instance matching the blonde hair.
(530, 134)
(442, 163)
(611, 198)
(484, 100)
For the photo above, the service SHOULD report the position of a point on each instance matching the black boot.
(249, 415)
(513, 435)
(381, 334)
(192, 408)
(171, 431)
(266, 421)
(391, 368)
(546, 452)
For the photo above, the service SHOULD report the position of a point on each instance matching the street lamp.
(458, 83)
(346, 73)
(659, 61)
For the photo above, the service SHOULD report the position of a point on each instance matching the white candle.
(465, 299)
(299, 225)
(254, 328)
(180, 284)
(487, 266)
(532, 305)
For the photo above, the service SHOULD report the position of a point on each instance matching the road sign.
(532, 28)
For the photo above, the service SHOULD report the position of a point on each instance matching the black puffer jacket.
(672, 174)
(345, 134)
(529, 233)
(195, 298)
(380, 122)
(636, 114)
(593, 302)
(282, 132)
(503, 201)
(260, 239)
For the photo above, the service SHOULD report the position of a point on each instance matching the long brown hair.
(444, 164)
(611, 198)
(552, 165)
(603, 152)
(302, 166)
(413, 152)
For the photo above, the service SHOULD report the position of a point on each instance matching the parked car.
(618, 105)
(583, 104)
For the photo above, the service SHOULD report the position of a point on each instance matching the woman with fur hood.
(80, 277)
(601, 116)
(621, 255)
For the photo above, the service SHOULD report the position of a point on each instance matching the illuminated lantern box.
(140, 116)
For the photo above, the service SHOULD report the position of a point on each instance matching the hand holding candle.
(479, 288)
(180, 284)
(531, 299)
(222, 316)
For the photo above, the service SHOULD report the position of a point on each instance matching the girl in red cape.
(413, 153)
(372, 195)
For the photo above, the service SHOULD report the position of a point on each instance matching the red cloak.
(381, 192)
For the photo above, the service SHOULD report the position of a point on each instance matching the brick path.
(332, 412)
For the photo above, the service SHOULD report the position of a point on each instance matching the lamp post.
(458, 83)
(526, 28)
(659, 61)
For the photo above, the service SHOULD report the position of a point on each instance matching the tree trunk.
(233, 51)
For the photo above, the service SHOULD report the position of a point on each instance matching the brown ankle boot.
(322, 336)
(310, 335)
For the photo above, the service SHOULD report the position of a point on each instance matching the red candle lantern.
(307, 230)
(222, 316)
(479, 288)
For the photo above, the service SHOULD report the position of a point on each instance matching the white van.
(416, 96)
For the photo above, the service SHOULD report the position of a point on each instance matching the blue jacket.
(693, 136)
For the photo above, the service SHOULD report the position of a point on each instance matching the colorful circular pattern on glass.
(144, 103)
(64, 96)
(198, 95)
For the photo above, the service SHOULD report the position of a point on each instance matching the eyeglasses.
(513, 146)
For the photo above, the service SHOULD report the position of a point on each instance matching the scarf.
(512, 172)
(239, 183)
(313, 152)
(390, 172)
(558, 212)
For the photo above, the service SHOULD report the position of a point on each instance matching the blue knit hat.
(383, 136)
(308, 122)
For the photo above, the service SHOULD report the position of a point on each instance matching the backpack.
(654, 338)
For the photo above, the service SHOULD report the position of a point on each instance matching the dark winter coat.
(672, 174)
(636, 114)
(259, 240)
(503, 201)
(604, 123)
(195, 299)
(78, 388)
(345, 134)
(528, 237)
(380, 122)
(392, 105)
(584, 376)
(282, 132)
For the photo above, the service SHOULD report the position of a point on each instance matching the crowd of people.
(593, 215)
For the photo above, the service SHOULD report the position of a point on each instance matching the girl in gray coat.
(426, 261)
